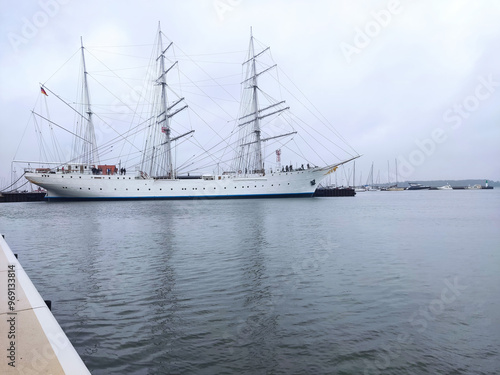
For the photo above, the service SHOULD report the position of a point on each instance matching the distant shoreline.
(435, 183)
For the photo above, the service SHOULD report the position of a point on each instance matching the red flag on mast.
(43, 91)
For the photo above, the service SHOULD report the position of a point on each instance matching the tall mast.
(90, 155)
(396, 161)
(157, 158)
(372, 174)
(250, 158)
(388, 174)
(259, 164)
(354, 175)
(164, 109)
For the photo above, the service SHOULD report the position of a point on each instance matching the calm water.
(385, 282)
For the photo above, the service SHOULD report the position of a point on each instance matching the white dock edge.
(30, 337)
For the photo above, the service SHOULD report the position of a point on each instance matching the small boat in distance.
(415, 186)
(395, 188)
(475, 187)
(445, 187)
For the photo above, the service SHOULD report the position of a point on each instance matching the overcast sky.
(414, 80)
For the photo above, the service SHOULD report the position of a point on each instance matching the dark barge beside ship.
(17, 196)
(334, 192)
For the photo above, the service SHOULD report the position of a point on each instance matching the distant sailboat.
(371, 187)
(357, 189)
(395, 187)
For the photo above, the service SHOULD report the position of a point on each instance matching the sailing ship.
(157, 178)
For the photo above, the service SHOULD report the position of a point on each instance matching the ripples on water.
(292, 286)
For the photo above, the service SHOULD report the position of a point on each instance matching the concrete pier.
(31, 340)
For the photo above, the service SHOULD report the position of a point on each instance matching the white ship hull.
(76, 186)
